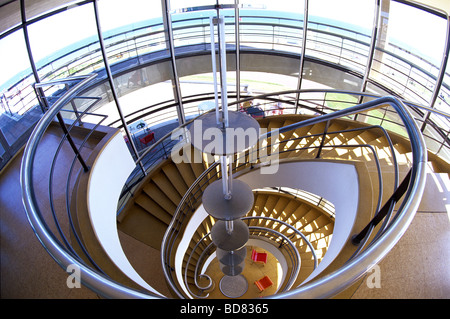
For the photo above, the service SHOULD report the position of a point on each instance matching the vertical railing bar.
(322, 142)
(302, 54)
(74, 107)
(398, 193)
(214, 67)
(167, 20)
(36, 77)
(238, 51)
(112, 85)
(372, 47)
(441, 74)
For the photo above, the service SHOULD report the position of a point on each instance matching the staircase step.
(166, 186)
(160, 197)
(165, 189)
(278, 210)
(144, 227)
(153, 208)
(173, 175)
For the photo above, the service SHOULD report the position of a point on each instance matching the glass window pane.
(133, 32)
(9, 15)
(116, 14)
(35, 8)
(339, 35)
(19, 109)
(66, 44)
(410, 46)
(176, 5)
(272, 25)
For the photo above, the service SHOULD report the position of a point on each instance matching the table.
(233, 286)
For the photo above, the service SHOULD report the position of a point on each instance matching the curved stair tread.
(306, 137)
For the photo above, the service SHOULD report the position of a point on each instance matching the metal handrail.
(195, 24)
(321, 288)
(268, 97)
(90, 277)
(330, 285)
(180, 214)
(292, 228)
(296, 263)
(198, 183)
(352, 270)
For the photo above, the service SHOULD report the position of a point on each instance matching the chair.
(263, 283)
(260, 258)
(150, 137)
(255, 111)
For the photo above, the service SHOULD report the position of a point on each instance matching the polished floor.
(417, 267)
(251, 273)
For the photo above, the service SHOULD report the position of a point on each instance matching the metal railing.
(328, 42)
(189, 203)
(60, 248)
(376, 249)
(324, 287)
(274, 236)
(385, 119)
(192, 198)
(194, 31)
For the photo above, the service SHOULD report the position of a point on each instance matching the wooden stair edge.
(439, 164)
(131, 201)
(397, 139)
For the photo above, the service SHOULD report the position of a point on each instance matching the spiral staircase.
(156, 200)
(162, 207)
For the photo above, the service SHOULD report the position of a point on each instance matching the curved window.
(265, 55)
(18, 103)
(272, 25)
(132, 30)
(339, 35)
(66, 44)
(409, 51)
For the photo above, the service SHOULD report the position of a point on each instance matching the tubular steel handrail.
(195, 22)
(356, 267)
(296, 263)
(324, 287)
(92, 278)
(352, 270)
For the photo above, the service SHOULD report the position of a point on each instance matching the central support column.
(221, 133)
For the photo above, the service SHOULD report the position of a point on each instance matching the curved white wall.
(107, 177)
(336, 182)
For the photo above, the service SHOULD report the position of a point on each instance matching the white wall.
(107, 177)
(336, 182)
